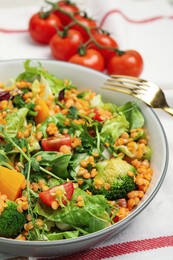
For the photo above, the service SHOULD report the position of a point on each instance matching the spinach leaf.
(58, 162)
(74, 163)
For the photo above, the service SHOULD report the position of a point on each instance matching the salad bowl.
(86, 78)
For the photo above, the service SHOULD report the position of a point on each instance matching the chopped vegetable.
(11, 221)
(11, 182)
(115, 179)
(54, 143)
(42, 113)
(59, 195)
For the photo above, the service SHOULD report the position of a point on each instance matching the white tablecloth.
(150, 236)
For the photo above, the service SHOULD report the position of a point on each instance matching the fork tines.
(126, 84)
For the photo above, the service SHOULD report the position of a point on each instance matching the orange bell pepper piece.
(11, 182)
(43, 112)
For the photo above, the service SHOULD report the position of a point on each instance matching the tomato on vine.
(101, 50)
(89, 58)
(68, 7)
(108, 45)
(65, 44)
(42, 26)
(85, 21)
(128, 63)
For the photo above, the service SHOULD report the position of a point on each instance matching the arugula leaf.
(72, 113)
(35, 164)
(20, 103)
(88, 142)
(4, 160)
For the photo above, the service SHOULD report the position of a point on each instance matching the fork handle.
(169, 110)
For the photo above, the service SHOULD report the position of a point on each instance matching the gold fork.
(147, 91)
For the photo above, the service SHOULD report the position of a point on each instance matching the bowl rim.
(122, 222)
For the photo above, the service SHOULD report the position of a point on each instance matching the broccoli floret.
(113, 180)
(11, 221)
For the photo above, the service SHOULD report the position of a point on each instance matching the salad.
(70, 163)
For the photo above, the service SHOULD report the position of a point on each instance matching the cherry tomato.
(97, 115)
(63, 47)
(49, 196)
(42, 29)
(68, 7)
(106, 41)
(92, 59)
(54, 143)
(85, 21)
(128, 63)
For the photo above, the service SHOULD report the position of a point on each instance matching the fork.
(147, 91)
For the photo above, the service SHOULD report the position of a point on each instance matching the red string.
(113, 11)
(3, 30)
(117, 11)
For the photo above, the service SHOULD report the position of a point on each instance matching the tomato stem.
(69, 25)
(44, 14)
(82, 50)
(87, 29)
(119, 52)
(101, 30)
(59, 32)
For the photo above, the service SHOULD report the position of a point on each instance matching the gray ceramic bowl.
(87, 78)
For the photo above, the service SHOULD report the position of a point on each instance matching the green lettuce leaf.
(32, 73)
(91, 217)
(132, 114)
(98, 102)
(15, 121)
(62, 235)
(114, 127)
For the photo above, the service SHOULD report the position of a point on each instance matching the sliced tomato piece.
(49, 196)
(97, 115)
(54, 143)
